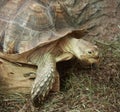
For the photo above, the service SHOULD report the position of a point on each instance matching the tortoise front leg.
(64, 57)
(45, 77)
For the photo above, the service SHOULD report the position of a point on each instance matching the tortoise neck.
(67, 43)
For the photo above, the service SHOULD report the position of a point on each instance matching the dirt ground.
(83, 89)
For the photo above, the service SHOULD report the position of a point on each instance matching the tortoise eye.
(89, 52)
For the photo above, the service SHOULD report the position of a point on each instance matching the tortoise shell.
(25, 24)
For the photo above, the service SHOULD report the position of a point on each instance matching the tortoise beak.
(90, 60)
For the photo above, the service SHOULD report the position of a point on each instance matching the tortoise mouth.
(90, 60)
(96, 57)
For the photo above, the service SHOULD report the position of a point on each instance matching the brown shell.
(25, 24)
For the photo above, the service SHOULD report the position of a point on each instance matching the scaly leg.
(64, 57)
(45, 77)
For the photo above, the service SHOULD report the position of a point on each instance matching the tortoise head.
(85, 51)
(88, 52)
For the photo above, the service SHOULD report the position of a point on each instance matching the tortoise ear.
(78, 33)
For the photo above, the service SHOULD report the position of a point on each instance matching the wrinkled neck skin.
(69, 44)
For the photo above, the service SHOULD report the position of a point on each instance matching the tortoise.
(40, 32)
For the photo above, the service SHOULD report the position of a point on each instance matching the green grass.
(83, 89)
